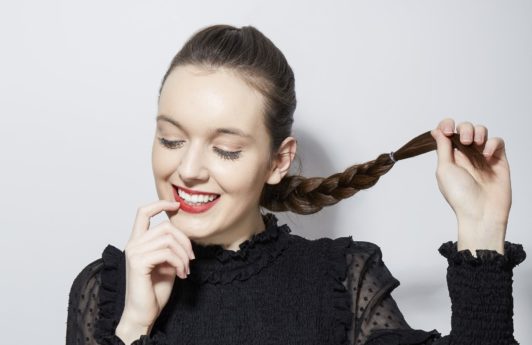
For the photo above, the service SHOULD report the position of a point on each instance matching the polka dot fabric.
(281, 288)
(480, 289)
(83, 305)
(370, 283)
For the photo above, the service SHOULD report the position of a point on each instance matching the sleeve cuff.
(111, 302)
(513, 255)
(480, 289)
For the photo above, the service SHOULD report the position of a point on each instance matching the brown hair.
(263, 66)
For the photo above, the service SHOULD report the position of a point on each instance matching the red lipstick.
(194, 208)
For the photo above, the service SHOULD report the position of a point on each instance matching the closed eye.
(174, 144)
(171, 144)
(231, 155)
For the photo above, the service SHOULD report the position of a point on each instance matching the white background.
(79, 83)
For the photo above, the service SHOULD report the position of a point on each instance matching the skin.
(481, 203)
(202, 101)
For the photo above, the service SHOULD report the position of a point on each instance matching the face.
(210, 138)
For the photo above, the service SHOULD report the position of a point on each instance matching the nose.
(191, 168)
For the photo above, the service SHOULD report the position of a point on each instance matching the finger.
(166, 241)
(495, 147)
(463, 161)
(466, 131)
(447, 126)
(167, 227)
(144, 213)
(444, 147)
(160, 256)
(481, 133)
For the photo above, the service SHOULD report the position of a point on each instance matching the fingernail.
(448, 130)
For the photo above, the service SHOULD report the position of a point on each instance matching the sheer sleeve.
(480, 290)
(96, 301)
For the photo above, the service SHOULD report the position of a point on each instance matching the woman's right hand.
(154, 257)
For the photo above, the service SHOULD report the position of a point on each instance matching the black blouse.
(281, 288)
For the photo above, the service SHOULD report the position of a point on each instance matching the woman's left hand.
(480, 201)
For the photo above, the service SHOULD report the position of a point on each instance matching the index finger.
(144, 213)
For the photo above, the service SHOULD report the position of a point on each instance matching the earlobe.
(283, 161)
(274, 178)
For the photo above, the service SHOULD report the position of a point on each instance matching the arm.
(480, 290)
(82, 305)
(95, 304)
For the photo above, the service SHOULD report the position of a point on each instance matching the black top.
(281, 288)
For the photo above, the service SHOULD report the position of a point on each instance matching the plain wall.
(79, 83)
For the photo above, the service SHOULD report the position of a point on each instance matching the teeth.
(198, 199)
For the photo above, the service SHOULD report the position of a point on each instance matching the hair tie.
(391, 157)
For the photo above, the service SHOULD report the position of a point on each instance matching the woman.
(222, 150)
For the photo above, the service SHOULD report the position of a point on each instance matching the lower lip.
(193, 208)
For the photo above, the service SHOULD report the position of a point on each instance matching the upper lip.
(192, 192)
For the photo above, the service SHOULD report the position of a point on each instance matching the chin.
(192, 226)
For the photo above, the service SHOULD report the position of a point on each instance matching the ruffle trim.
(155, 339)
(216, 265)
(111, 302)
(403, 336)
(109, 296)
(514, 254)
(342, 319)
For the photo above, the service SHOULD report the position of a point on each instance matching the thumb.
(444, 147)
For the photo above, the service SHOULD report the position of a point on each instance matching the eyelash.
(230, 155)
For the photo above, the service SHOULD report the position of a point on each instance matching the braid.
(307, 195)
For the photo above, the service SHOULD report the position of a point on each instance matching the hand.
(481, 201)
(153, 259)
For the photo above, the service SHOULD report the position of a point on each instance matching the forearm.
(480, 289)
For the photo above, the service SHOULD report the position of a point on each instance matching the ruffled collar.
(215, 264)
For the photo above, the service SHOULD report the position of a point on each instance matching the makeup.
(191, 206)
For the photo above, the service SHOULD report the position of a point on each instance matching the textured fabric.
(281, 288)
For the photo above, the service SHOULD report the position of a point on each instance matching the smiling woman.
(222, 148)
(211, 138)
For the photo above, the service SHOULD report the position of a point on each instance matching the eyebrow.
(230, 130)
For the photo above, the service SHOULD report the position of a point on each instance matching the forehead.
(201, 100)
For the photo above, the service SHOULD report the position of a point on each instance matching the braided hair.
(264, 67)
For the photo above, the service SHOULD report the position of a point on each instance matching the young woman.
(221, 271)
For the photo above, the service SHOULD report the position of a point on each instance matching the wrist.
(481, 234)
(129, 332)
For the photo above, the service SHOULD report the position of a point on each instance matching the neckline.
(215, 264)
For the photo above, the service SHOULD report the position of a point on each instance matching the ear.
(282, 160)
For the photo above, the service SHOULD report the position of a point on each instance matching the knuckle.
(168, 238)
(481, 127)
(141, 211)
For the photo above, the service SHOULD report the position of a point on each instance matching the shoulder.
(89, 278)
(345, 243)
(345, 249)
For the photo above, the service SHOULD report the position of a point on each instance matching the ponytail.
(307, 195)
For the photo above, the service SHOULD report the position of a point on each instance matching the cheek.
(163, 163)
(244, 177)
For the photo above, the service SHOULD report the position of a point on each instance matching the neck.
(235, 235)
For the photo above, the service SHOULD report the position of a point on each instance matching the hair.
(263, 66)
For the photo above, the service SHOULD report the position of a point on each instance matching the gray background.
(79, 85)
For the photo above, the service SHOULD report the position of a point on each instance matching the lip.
(193, 208)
